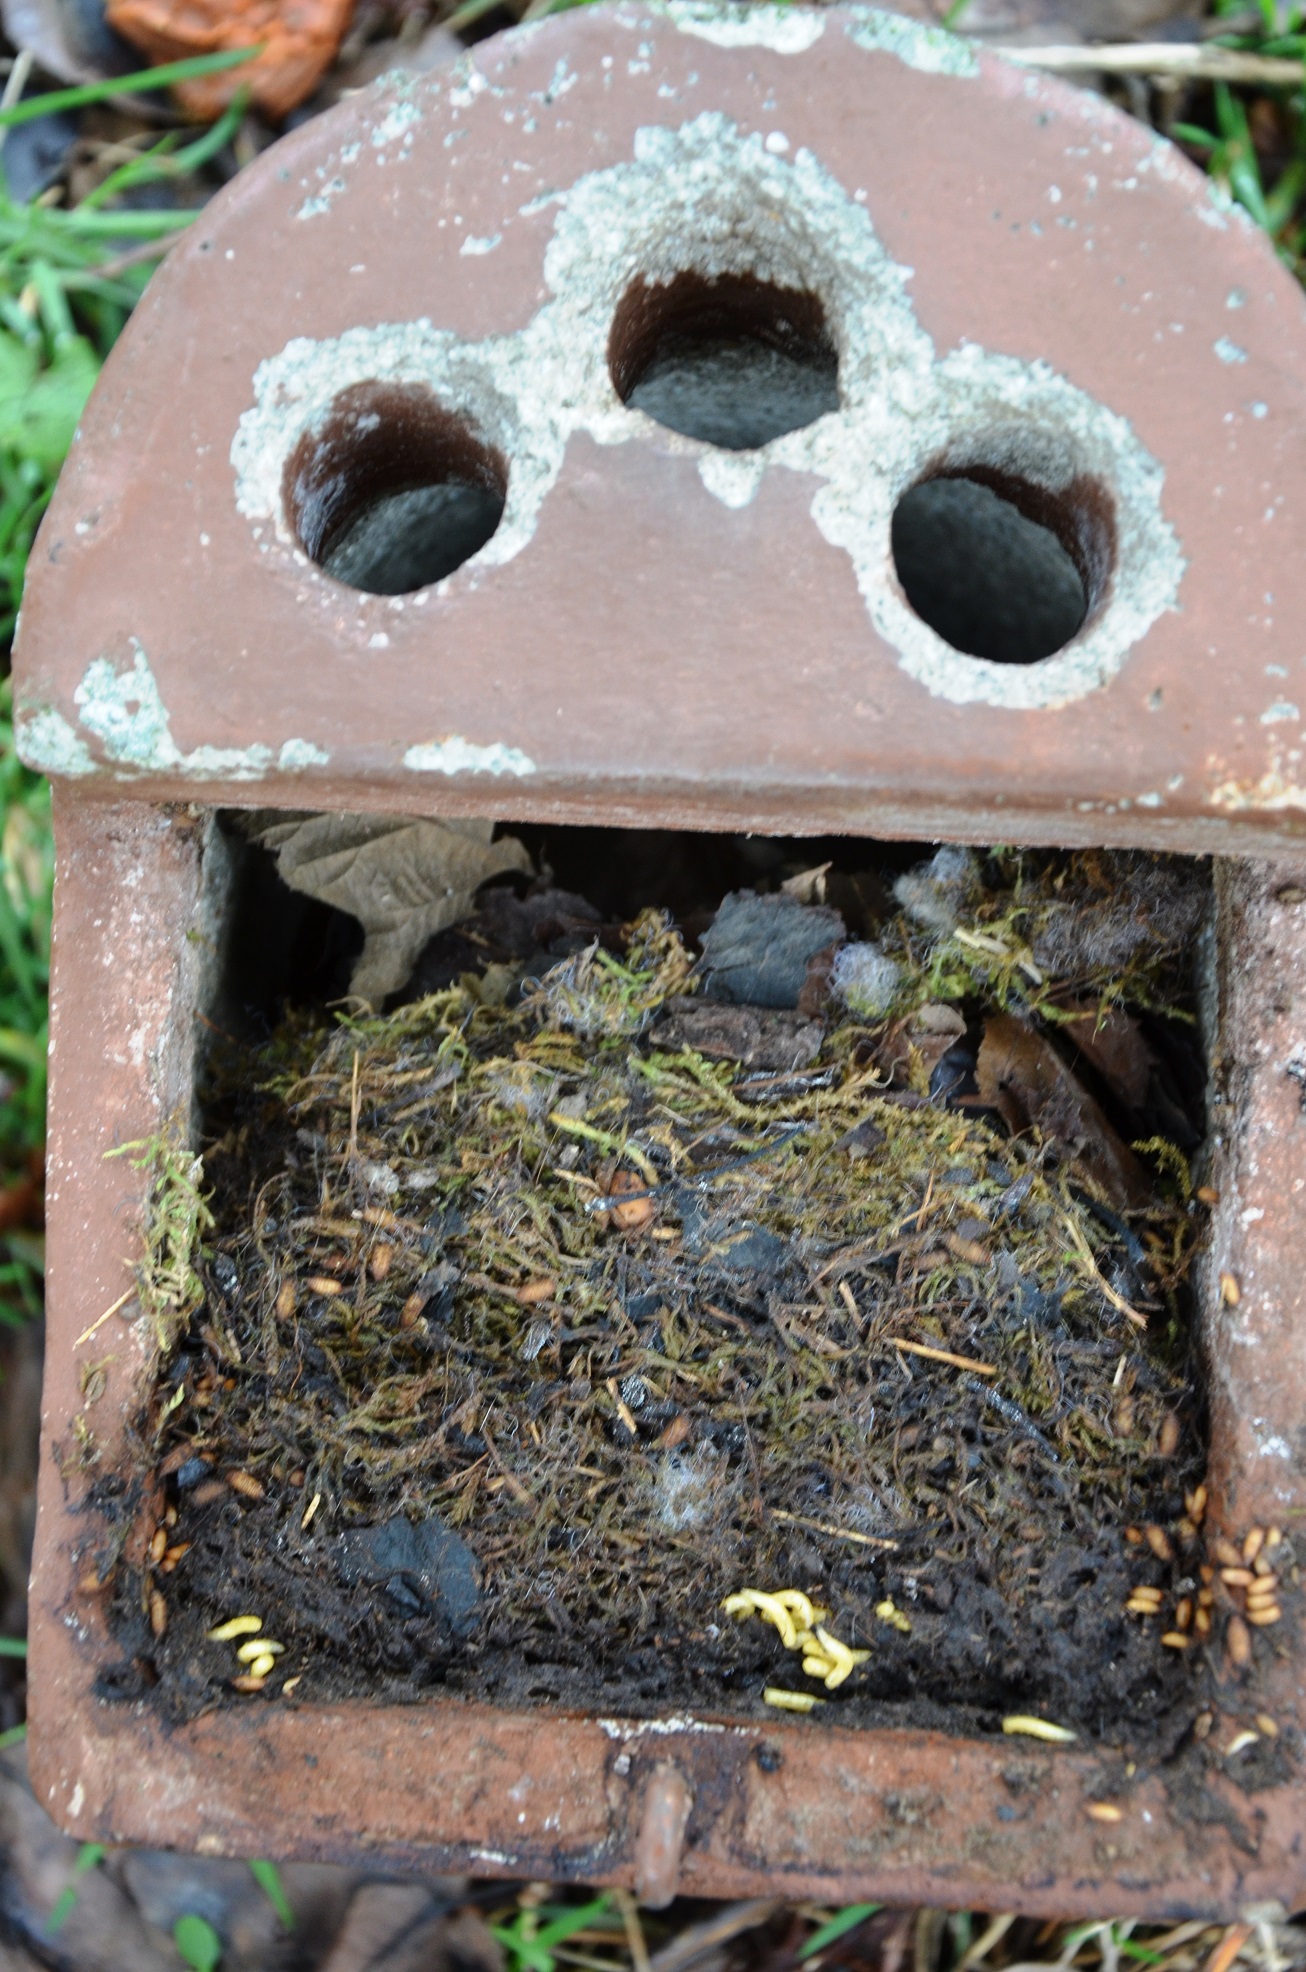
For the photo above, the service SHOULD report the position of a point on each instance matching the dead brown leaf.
(1114, 1045)
(298, 40)
(1021, 1074)
(403, 880)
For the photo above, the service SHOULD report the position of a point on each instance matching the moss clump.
(176, 1217)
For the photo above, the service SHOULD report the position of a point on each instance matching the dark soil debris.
(546, 1313)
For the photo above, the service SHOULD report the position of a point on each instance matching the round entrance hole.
(393, 492)
(999, 567)
(733, 361)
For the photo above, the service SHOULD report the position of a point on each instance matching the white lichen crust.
(713, 199)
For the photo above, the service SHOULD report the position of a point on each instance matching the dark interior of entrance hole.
(394, 491)
(734, 361)
(1000, 567)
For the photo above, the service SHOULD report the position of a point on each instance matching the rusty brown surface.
(1255, 1283)
(651, 652)
(782, 1806)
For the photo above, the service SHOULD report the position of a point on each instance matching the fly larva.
(790, 1701)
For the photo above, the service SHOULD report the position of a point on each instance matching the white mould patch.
(459, 756)
(916, 43)
(785, 30)
(297, 754)
(398, 123)
(623, 1730)
(709, 199)
(49, 745)
(123, 710)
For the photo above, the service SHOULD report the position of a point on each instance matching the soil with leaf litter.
(542, 1314)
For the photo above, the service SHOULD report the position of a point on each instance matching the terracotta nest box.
(427, 479)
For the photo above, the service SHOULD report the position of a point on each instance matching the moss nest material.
(543, 1314)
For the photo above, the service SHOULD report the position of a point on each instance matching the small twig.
(510, 1479)
(944, 1356)
(1085, 1253)
(1228, 1948)
(109, 270)
(87, 1333)
(15, 84)
(697, 1940)
(1189, 61)
(992, 1934)
(353, 1113)
(835, 1533)
(634, 1929)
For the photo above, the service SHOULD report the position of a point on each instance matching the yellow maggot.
(237, 1626)
(824, 1656)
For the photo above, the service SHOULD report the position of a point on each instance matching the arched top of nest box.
(751, 417)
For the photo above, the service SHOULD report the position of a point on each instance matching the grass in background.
(69, 278)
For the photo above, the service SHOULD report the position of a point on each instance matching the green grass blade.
(126, 85)
(836, 1927)
(268, 1878)
(198, 1944)
(568, 1922)
(88, 1856)
(13, 1646)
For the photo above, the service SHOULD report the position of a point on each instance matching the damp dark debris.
(395, 490)
(734, 361)
(999, 572)
(549, 1307)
